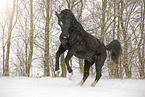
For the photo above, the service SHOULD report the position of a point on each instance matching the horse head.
(65, 21)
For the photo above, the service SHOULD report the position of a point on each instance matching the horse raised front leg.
(68, 57)
(59, 52)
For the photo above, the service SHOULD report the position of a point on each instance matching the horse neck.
(77, 26)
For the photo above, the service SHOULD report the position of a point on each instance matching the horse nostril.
(61, 23)
(66, 36)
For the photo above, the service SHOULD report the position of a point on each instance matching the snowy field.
(63, 87)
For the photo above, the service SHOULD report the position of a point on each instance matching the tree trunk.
(116, 73)
(63, 67)
(6, 67)
(3, 46)
(112, 65)
(31, 40)
(125, 58)
(118, 36)
(141, 52)
(104, 5)
(24, 73)
(46, 51)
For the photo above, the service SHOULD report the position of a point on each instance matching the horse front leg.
(59, 52)
(68, 57)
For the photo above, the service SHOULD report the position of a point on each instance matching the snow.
(63, 87)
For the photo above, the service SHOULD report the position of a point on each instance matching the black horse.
(83, 45)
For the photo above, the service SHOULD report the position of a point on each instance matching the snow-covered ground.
(63, 87)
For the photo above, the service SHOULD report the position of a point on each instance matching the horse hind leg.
(98, 73)
(87, 66)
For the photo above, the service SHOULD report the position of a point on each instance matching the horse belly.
(84, 55)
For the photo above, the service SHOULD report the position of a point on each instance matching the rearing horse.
(83, 45)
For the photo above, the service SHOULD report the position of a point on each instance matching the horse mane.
(74, 21)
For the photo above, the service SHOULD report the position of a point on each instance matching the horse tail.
(115, 49)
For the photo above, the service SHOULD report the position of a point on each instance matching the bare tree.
(63, 67)
(124, 31)
(141, 51)
(10, 28)
(31, 40)
(46, 50)
(113, 67)
(104, 5)
(118, 35)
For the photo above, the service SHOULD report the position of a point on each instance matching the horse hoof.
(70, 71)
(81, 83)
(93, 84)
(56, 69)
(57, 73)
(70, 76)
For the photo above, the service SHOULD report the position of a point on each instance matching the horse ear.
(59, 22)
(56, 14)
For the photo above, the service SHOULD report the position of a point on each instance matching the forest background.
(29, 35)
